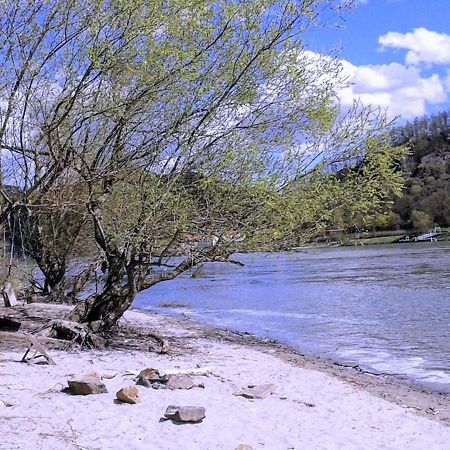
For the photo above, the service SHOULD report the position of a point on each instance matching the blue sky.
(396, 54)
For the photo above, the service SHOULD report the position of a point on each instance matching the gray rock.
(129, 394)
(87, 385)
(142, 381)
(185, 413)
(257, 392)
(179, 382)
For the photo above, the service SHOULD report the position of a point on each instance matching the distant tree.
(426, 168)
(420, 221)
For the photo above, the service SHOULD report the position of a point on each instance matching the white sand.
(343, 417)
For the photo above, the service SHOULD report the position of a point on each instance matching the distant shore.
(315, 404)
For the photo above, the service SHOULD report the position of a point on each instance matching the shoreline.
(403, 392)
(316, 404)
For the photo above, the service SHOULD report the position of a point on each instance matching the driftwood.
(9, 297)
(197, 372)
(74, 332)
(7, 324)
(34, 349)
(164, 346)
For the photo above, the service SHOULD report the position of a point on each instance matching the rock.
(185, 413)
(179, 382)
(148, 376)
(151, 374)
(129, 394)
(142, 381)
(243, 447)
(258, 392)
(86, 385)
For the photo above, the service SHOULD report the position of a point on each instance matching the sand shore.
(315, 405)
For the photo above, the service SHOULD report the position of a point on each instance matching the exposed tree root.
(74, 332)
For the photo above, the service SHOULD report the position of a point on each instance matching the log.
(7, 324)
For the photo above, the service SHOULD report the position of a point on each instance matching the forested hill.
(426, 200)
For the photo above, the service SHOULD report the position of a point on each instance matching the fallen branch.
(32, 344)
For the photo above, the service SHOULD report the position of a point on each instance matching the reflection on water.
(384, 307)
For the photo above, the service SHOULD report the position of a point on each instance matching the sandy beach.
(315, 405)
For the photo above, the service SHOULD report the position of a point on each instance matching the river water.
(385, 308)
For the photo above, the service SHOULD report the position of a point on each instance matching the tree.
(41, 74)
(197, 128)
(420, 220)
(50, 232)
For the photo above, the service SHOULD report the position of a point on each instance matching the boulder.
(243, 447)
(129, 394)
(86, 385)
(185, 413)
(258, 392)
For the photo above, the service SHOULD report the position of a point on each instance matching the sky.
(396, 53)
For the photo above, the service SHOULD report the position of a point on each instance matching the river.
(385, 308)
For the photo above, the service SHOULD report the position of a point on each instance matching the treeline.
(426, 167)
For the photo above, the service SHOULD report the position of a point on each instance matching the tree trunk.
(54, 272)
(102, 311)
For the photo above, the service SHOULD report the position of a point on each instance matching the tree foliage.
(193, 128)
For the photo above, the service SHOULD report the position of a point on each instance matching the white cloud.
(447, 81)
(423, 45)
(401, 89)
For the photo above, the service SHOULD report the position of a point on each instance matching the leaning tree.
(214, 129)
(197, 128)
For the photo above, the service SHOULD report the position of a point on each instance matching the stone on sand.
(87, 385)
(185, 413)
(258, 392)
(180, 382)
(129, 394)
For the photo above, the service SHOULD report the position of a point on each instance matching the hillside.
(426, 200)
